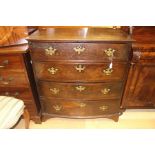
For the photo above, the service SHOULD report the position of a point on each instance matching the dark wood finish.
(11, 62)
(114, 116)
(80, 34)
(65, 51)
(140, 87)
(17, 92)
(28, 66)
(14, 49)
(93, 72)
(143, 51)
(57, 65)
(144, 34)
(79, 108)
(14, 78)
(91, 91)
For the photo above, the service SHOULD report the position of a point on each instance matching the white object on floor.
(11, 110)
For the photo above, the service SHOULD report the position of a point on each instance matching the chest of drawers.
(16, 78)
(80, 72)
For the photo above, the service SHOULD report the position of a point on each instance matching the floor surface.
(131, 119)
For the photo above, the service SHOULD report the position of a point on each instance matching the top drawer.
(11, 62)
(79, 51)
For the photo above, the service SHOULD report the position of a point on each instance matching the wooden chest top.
(80, 34)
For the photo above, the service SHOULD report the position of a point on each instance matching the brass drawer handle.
(110, 52)
(80, 88)
(79, 49)
(82, 105)
(57, 107)
(105, 91)
(4, 63)
(80, 68)
(16, 94)
(50, 51)
(8, 94)
(54, 91)
(6, 82)
(103, 108)
(52, 70)
(108, 71)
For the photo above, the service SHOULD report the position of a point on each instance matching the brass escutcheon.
(80, 68)
(79, 49)
(4, 63)
(57, 107)
(103, 108)
(110, 52)
(50, 51)
(82, 105)
(54, 91)
(108, 71)
(6, 82)
(80, 88)
(52, 70)
(16, 94)
(105, 91)
(7, 93)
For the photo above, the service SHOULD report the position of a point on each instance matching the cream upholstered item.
(11, 110)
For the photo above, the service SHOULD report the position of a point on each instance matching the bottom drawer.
(20, 93)
(80, 108)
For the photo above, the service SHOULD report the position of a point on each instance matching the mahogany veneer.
(80, 72)
(140, 88)
(16, 78)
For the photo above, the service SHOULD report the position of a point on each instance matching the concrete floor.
(131, 119)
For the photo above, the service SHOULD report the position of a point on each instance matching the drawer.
(79, 108)
(80, 72)
(9, 78)
(11, 62)
(20, 93)
(79, 51)
(90, 91)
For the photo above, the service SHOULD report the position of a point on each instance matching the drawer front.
(90, 91)
(80, 72)
(80, 108)
(15, 79)
(79, 51)
(11, 62)
(20, 93)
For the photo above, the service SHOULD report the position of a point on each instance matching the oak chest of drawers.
(80, 72)
(16, 78)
